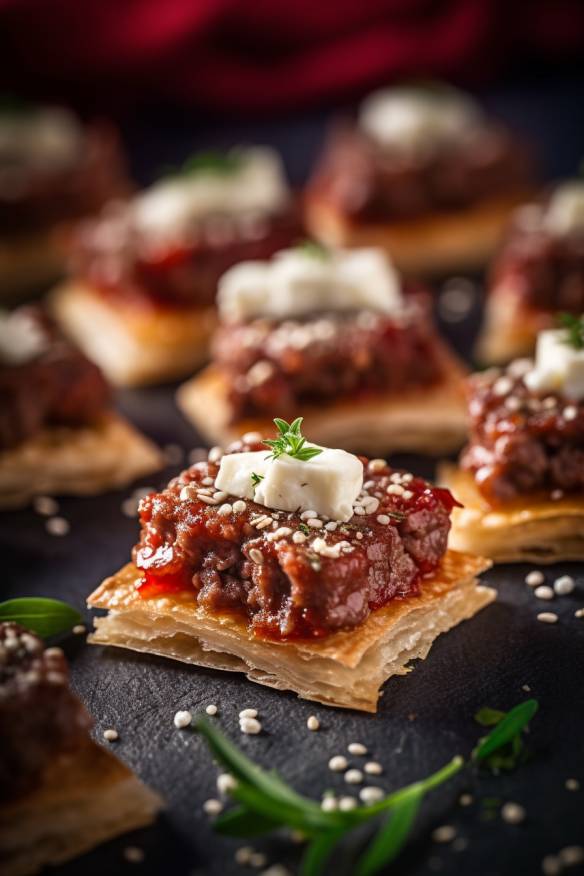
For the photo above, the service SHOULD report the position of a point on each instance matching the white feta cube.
(565, 212)
(558, 366)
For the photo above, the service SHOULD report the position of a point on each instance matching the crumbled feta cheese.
(558, 366)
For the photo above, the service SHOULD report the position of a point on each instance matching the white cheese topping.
(327, 484)
(172, 206)
(558, 366)
(297, 282)
(47, 138)
(21, 339)
(565, 212)
(418, 120)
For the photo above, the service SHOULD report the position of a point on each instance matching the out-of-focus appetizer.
(329, 335)
(140, 298)
(538, 272)
(58, 431)
(423, 173)
(53, 170)
(309, 569)
(521, 477)
(61, 794)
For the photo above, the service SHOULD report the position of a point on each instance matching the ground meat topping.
(291, 575)
(39, 716)
(56, 386)
(276, 367)
(369, 182)
(522, 441)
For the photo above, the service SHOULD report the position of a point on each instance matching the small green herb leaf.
(45, 617)
(392, 835)
(243, 822)
(505, 739)
(256, 478)
(208, 162)
(303, 527)
(314, 250)
(488, 717)
(574, 326)
(291, 442)
(318, 852)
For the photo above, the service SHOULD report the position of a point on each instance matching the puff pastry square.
(344, 669)
(83, 800)
(532, 529)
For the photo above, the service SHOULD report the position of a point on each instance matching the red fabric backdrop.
(269, 54)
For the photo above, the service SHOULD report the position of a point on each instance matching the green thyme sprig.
(291, 441)
(504, 748)
(43, 616)
(256, 478)
(209, 162)
(265, 802)
(314, 250)
(574, 326)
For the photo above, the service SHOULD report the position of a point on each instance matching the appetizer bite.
(309, 569)
(53, 170)
(329, 335)
(140, 298)
(61, 794)
(423, 173)
(538, 272)
(521, 477)
(58, 431)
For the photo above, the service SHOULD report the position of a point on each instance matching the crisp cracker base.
(345, 669)
(432, 244)
(134, 347)
(430, 420)
(532, 529)
(84, 799)
(510, 328)
(77, 461)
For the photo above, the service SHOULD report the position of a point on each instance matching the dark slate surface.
(424, 719)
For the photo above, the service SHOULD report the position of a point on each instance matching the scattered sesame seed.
(579, 612)
(225, 509)
(313, 723)
(243, 854)
(354, 777)
(212, 806)
(466, 799)
(407, 494)
(564, 585)
(329, 804)
(376, 465)
(356, 748)
(276, 870)
(543, 592)
(248, 713)
(45, 505)
(535, 578)
(571, 856)
(134, 855)
(526, 688)
(250, 726)
(338, 763)
(256, 556)
(79, 629)
(251, 437)
(208, 500)
(551, 866)
(370, 794)
(395, 490)
(547, 617)
(315, 523)
(211, 709)
(570, 413)
(572, 785)
(306, 515)
(513, 813)
(444, 834)
(331, 525)
(372, 768)
(111, 735)
(502, 386)
(225, 783)
(347, 803)
(182, 719)
(383, 519)
(57, 526)
(298, 537)
(239, 506)
(258, 859)
(215, 454)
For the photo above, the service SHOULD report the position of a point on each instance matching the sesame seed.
(212, 806)
(45, 505)
(466, 799)
(225, 509)
(79, 629)
(250, 726)
(258, 859)
(329, 804)
(239, 507)
(298, 537)
(208, 500)
(502, 386)
(134, 855)
(512, 403)
(219, 495)
(407, 494)
(256, 556)
(57, 526)
(526, 688)
(331, 525)
(338, 763)
(547, 617)
(251, 437)
(444, 834)
(556, 495)
(276, 870)
(571, 856)
(356, 748)
(208, 482)
(248, 713)
(376, 465)
(572, 785)
(225, 783)
(551, 866)
(371, 504)
(513, 813)
(182, 719)
(535, 578)
(315, 523)
(211, 709)
(215, 454)
(395, 490)
(579, 612)
(313, 723)
(111, 735)
(266, 521)
(372, 768)
(383, 519)
(243, 854)
(306, 515)
(347, 803)
(370, 794)
(564, 585)
(281, 532)
(543, 592)
(570, 413)
(354, 777)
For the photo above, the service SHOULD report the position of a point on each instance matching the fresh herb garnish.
(266, 803)
(291, 442)
(574, 326)
(396, 515)
(314, 250)
(256, 478)
(504, 748)
(303, 527)
(210, 161)
(488, 717)
(45, 617)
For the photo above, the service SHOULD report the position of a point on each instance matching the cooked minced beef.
(522, 441)
(283, 576)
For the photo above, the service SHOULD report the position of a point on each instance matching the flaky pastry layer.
(510, 328)
(134, 347)
(531, 529)
(344, 669)
(78, 461)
